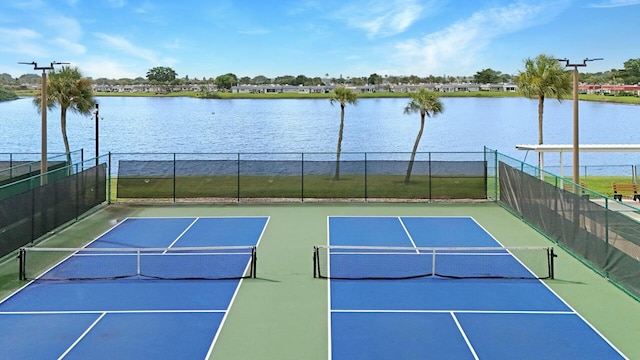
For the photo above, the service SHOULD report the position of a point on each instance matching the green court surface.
(282, 314)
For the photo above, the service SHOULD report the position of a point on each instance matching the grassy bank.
(7, 95)
(224, 95)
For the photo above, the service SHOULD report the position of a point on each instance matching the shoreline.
(226, 96)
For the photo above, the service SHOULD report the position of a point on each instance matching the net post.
(551, 255)
(138, 262)
(433, 262)
(315, 261)
(254, 260)
(21, 258)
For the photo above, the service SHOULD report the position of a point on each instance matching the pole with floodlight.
(43, 110)
(96, 112)
(576, 142)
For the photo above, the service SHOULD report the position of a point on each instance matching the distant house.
(609, 89)
(323, 89)
(153, 88)
(280, 89)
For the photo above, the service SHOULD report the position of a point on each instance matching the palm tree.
(543, 77)
(68, 90)
(427, 103)
(343, 96)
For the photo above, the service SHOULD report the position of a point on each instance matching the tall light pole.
(576, 141)
(43, 110)
(97, 132)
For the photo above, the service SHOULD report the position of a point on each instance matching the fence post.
(430, 177)
(77, 179)
(174, 178)
(302, 177)
(109, 178)
(366, 176)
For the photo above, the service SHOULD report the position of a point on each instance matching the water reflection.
(132, 124)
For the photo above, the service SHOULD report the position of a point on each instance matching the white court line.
(82, 336)
(71, 312)
(235, 293)
(464, 335)
(406, 231)
(541, 312)
(329, 356)
(182, 234)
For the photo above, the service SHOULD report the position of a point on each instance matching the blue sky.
(126, 38)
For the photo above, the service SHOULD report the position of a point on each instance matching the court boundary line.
(82, 336)
(73, 312)
(464, 335)
(329, 343)
(182, 234)
(406, 231)
(445, 311)
(240, 282)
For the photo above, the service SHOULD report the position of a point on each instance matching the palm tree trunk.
(540, 132)
(65, 139)
(337, 175)
(415, 149)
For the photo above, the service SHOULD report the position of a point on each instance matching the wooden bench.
(627, 188)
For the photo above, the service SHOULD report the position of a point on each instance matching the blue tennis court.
(433, 317)
(121, 305)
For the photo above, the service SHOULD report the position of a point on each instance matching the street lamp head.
(43, 68)
(584, 62)
(565, 60)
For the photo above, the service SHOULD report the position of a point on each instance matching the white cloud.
(151, 58)
(98, 68)
(145, 8)
(614, 3)
(64, 27)
(116, 3)
(255, 32)
(23, 34)
(381, 18)
(176, 44)
(458, 46)
(28, 4)
(72, 47)
(22, 42)
(125, 46)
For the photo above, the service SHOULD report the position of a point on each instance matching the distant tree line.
(630, 74)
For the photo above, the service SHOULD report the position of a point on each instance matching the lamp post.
(97, 132)
(576, 141)
(43, 110)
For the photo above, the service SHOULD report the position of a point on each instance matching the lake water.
(188, 125)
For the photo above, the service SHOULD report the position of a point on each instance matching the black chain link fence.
(300, 176)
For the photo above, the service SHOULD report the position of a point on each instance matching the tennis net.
(377, 262)
(178, 263)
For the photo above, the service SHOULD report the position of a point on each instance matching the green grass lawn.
(319, 186)
(601, 184)
(296, 187)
